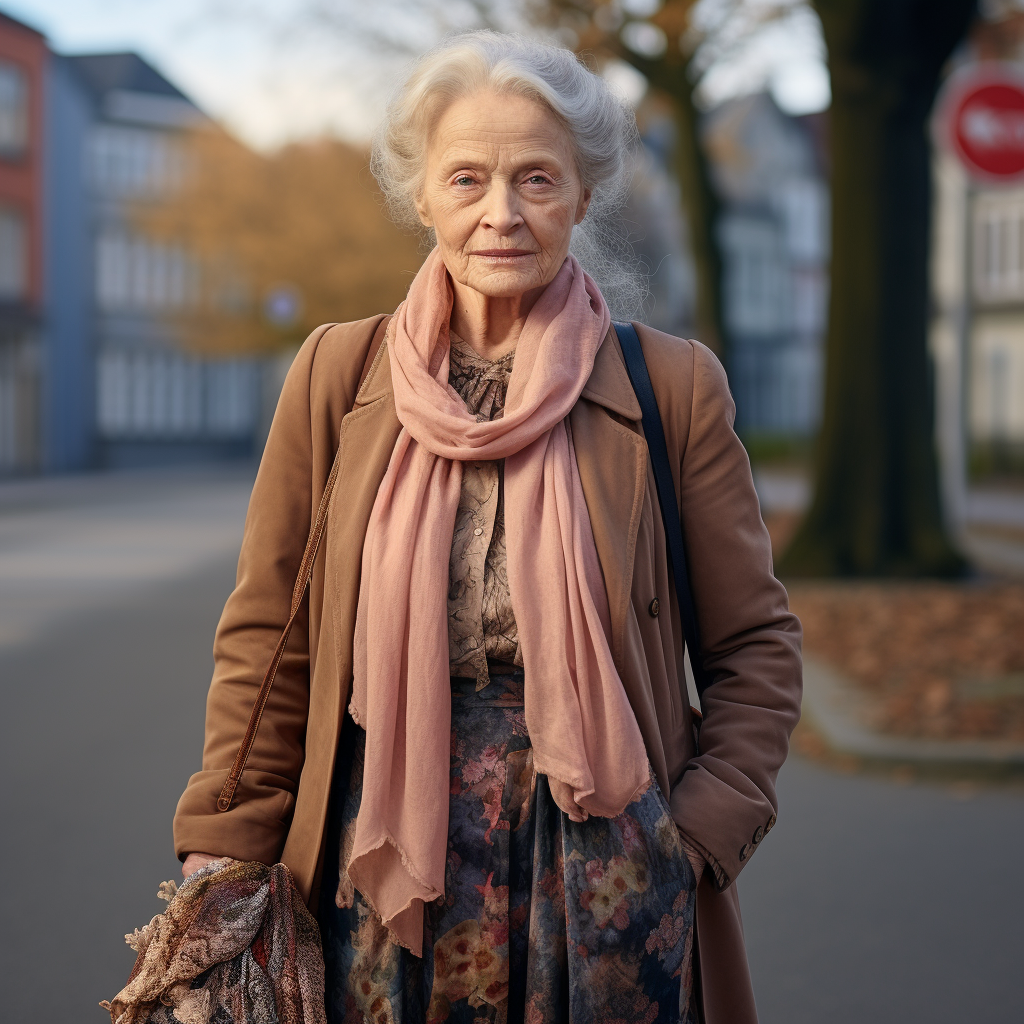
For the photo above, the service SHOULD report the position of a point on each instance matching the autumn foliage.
(306, 221)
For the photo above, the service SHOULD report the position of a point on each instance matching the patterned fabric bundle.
(236, 944)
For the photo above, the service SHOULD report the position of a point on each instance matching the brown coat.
(723, 798)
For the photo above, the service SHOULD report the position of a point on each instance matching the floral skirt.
(544, 920)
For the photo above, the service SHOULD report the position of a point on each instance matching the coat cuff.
(256, 826)
(721, 821)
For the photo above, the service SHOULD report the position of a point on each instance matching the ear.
(423, 211)
(584, 203)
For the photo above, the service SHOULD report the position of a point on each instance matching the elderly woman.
(478, 758)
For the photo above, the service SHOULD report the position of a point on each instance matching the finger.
(696, 859)
(563, 796)
(195, 861)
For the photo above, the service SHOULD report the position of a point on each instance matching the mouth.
(499, 255)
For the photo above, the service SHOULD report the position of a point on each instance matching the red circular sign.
(987, 127)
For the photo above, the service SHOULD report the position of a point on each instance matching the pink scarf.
(581, 725)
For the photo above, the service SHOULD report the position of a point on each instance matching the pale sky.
(271, 86)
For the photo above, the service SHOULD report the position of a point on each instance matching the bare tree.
(876, 508)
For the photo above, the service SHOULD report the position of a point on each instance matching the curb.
(840, 711)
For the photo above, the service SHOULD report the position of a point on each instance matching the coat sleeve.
(276, 529)
(725, 801)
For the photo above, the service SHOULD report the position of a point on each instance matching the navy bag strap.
(654, 432)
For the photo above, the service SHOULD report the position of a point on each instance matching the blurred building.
(119, 389)
(977, 336)
(658, 229)
(23, 58)
(774, 236)
(996, 368)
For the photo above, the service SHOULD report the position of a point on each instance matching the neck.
(490, 326)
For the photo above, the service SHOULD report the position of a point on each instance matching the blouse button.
(653, 608)
(478, 532)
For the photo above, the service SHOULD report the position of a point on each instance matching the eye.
(464, 181)
(537, 179)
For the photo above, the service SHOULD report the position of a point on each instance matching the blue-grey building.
(774, 238)
(119, 389)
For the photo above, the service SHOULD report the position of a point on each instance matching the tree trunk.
(876, 508)
(700, 202)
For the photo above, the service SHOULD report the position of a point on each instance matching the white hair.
(601, 125)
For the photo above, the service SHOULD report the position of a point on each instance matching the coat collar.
(611, 456)
(608, 384)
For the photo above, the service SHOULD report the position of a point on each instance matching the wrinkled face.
(502, 193)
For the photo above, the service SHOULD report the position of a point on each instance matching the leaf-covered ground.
(942, 660)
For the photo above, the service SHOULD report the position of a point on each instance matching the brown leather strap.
(316, 532)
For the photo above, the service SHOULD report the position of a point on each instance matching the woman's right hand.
(195, 861)
(565, 797)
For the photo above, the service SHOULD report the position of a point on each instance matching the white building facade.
(977, 332)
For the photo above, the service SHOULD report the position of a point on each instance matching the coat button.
(758, 835)
(770, 824)
(743, 853)
(653, 608)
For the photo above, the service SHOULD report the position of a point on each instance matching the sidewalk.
(843, 711)
(83, 541)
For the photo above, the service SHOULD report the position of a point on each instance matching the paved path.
(109, 593)
(873, 902)
(870, 901)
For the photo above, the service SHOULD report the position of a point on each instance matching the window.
(133, 161)
(136, 274)
(13, 110)
(13, 257)
(810, 300)
(757, 279)
(163, 395)
(999, 247)
(804, 210)
(997, 384)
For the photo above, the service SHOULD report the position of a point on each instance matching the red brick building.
(23, 66)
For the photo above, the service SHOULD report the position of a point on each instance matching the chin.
(507, 284)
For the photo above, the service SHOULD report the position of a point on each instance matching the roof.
(753, 146)
(7, 21)
(103, 73)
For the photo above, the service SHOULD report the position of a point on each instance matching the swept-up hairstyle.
(601, 125)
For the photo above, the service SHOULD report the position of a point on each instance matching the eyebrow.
(529, 160)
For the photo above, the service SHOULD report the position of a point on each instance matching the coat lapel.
(612, 457)
(610, 452)
(368, 436)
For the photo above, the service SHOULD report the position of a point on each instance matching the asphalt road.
(871, 901)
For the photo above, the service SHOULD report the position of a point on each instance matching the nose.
(501, 209)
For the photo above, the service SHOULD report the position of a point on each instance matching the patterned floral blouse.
(481, 624)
